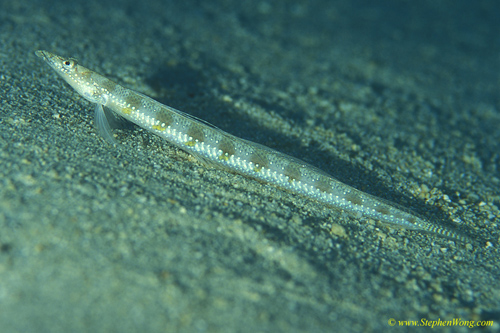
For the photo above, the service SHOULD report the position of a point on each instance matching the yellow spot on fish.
(159, 127)
(257, 168)
(224, 157)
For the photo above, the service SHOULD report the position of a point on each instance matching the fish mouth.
(41, 54)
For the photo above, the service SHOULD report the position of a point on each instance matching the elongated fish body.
(224, 150)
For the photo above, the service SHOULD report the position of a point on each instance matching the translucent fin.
(102, 125)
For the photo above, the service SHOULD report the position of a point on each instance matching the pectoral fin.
(101, 123)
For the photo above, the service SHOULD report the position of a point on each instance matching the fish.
(220, 149)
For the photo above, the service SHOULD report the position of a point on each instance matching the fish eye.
(70, 63)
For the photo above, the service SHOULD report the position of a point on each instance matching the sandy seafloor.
(399, 99)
